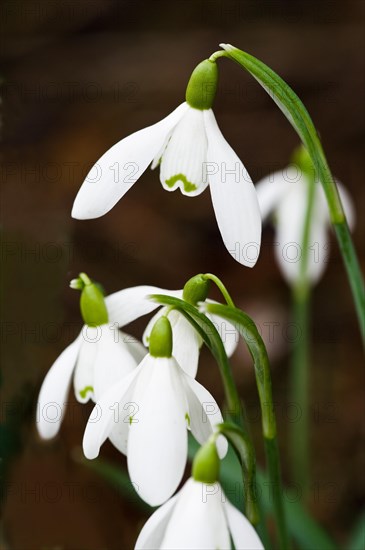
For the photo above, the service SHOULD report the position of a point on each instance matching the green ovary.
(85, 391)
(188, 186)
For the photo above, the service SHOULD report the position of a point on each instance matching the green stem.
(300, 373)
(299, 390)
(221, 287)
(294, 110)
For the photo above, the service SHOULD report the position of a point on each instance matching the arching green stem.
(294, 110)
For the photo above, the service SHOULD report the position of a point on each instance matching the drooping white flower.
(131, 303)
(192, 154)
(199, 517)
(98, 358)
(285, 194)
(147, 415)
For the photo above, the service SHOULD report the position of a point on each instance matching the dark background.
(80, 75)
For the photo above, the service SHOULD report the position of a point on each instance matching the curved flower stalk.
(147, 415)
(192, 154)
(131, 303)
(98, 358)
(198, 517)
(285, 195)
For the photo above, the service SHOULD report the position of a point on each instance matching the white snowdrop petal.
(129, 304)
(204, 414)
(186, 343)
(113, 360)
(152, 533)
(183, 160)
(108, 413)
(243, 533)
(197, 521)
(234, 197)
(135, 347)
(157, 441)
(85, 365)
(120, 167)
(272, 189)
(53, 393)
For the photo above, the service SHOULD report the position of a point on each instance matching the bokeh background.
(79, 76)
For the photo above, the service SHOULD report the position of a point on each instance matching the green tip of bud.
(160, 340)
(301, 158)
(196, 289)
(202, 86)
(92, 304)
(206, 463)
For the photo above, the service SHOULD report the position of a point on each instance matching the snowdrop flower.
(198, 517)
(285, 194)
(149, 412)
(128, 304)
(192, 154)
(98, 358)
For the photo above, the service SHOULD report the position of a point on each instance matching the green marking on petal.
(187, 418)
(188, 186)
(85, 391)
(130, 420)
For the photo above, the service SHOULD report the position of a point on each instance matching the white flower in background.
(131, 303)
(199, 517)
(147, 415)
(192, 154)
(98, 358)
(285, 194)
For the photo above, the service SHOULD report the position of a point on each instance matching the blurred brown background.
(79, 76)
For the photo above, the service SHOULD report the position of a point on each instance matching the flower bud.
(202, 86)
(92, 303)
(160, 341)
(196, 289)
(206, 463)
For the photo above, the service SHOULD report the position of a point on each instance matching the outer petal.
(182, 163)
(51, 400)
(272, 189)
(151, 536)
(136, 348)
(157, 442)
(204, 414)
(129, 304)
(113, 360)
(120, 167)
(243, 534)
(107, 413)
(234, 197)
(84, 371)
(198, 521)
(186, 341)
